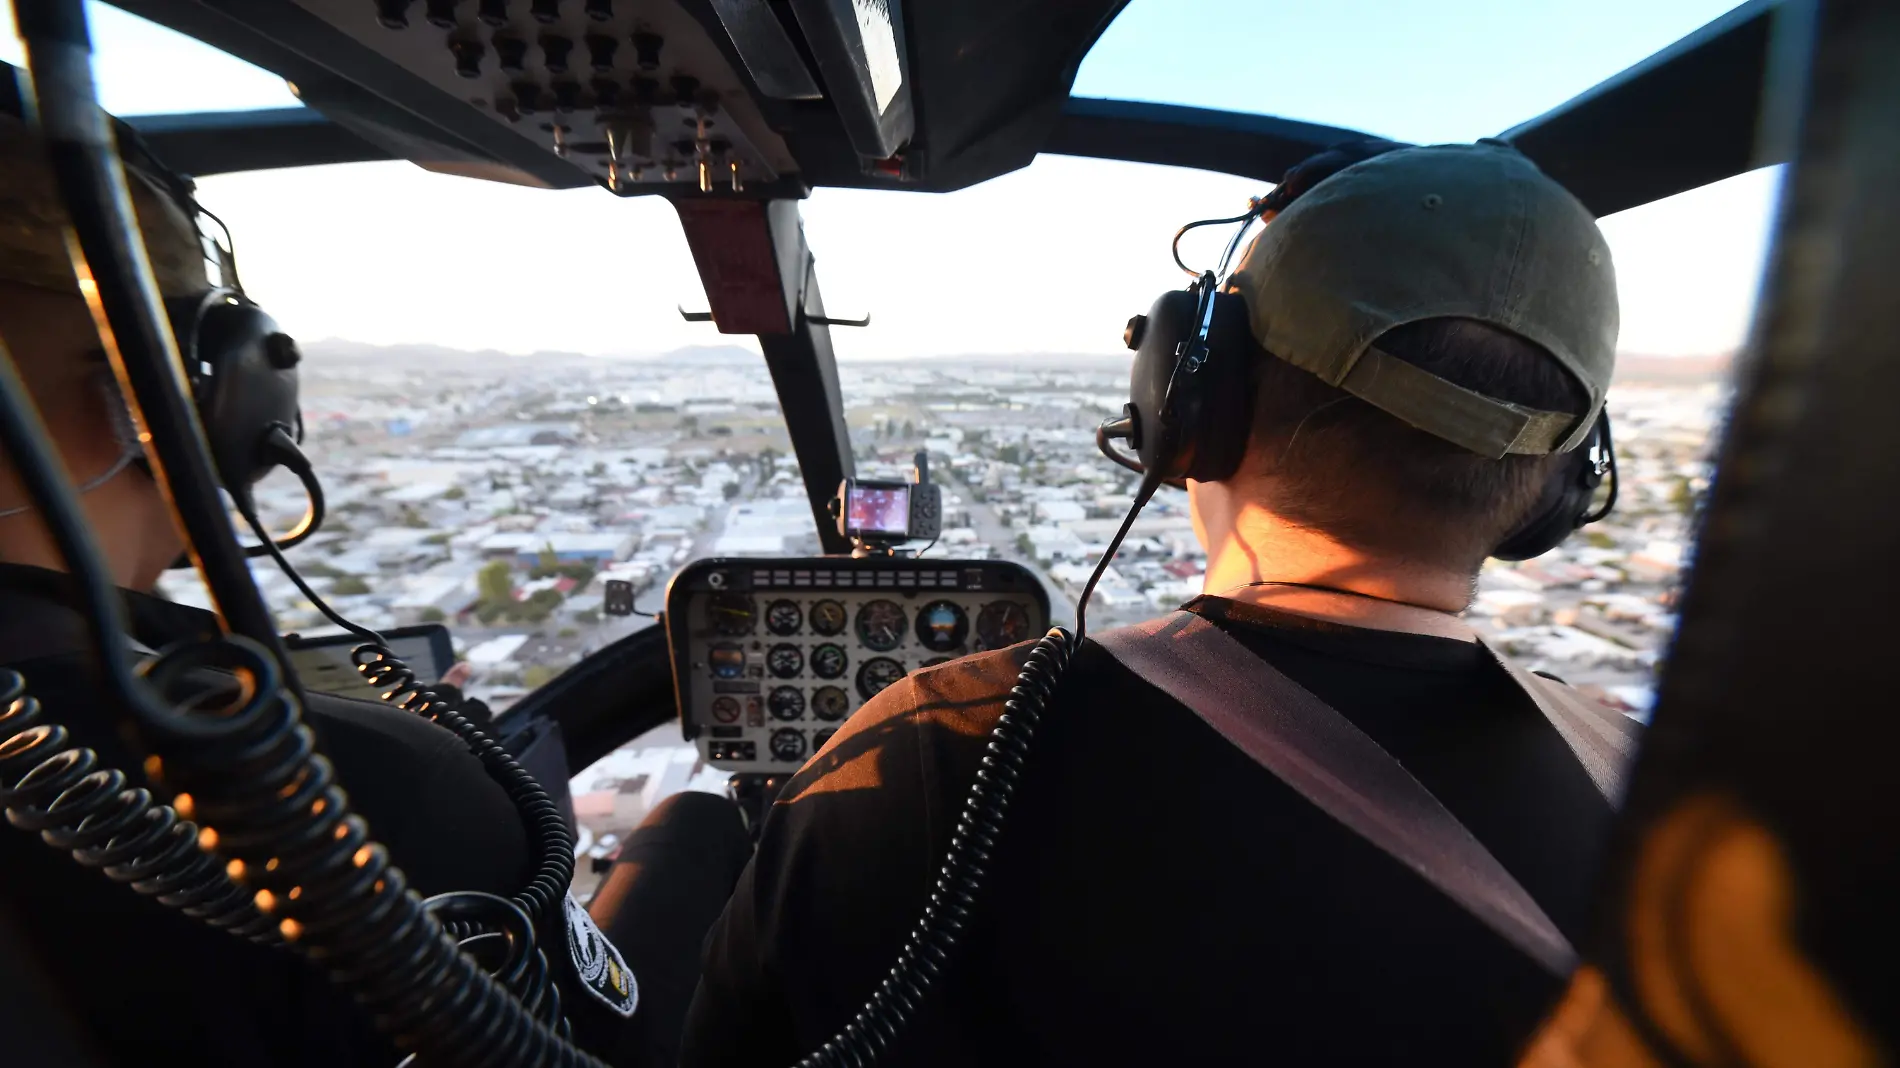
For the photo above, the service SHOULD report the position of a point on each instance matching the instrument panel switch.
(554, 53)
(468, 58)
(600, 52)
(646, 50)
(393, 14)
(511, 54)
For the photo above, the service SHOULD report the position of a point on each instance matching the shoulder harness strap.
(1340, 769)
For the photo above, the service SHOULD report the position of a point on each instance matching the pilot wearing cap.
(1433, 330)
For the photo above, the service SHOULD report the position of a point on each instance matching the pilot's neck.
(1255, 556)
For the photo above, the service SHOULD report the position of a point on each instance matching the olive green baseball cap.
(33, 223)
(1441, 231)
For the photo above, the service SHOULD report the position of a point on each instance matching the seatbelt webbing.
(1603, 739)
(1340, 769)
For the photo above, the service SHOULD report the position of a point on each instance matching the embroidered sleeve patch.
(598, 963)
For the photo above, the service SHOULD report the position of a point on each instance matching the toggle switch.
(393, 14)
(468, 58)
(441, 14)
(646, 50)
(554, 51)
(511, 54)
(600, 52)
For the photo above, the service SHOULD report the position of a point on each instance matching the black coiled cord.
(250, 773)
(927, 951)
(61, 791)
(547, 828)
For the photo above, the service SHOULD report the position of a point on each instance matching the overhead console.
(770, 656)
(638, 95)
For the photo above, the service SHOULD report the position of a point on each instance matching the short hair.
(1335, 464)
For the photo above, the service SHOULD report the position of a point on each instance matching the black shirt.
(147, 984)
(1158, 898)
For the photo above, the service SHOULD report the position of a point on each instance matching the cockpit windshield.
(1454, 70)
(510, 411)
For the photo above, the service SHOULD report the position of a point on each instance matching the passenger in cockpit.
(145, 983)
(1159, 896)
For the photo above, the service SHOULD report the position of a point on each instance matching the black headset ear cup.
(1199, 430)
(243, 371)
(1564, 503)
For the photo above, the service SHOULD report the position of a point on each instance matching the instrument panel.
(770, 656)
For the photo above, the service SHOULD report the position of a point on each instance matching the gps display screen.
(878, 510)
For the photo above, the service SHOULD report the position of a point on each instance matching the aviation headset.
(241, 367)
(1191, 391)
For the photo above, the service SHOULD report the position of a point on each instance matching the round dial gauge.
(784, 617)
(819, 738)
(726, 709)
(881, 625)
(830, 703)
(828, 618)
(877, 673)
(785, 660)
(828, 660)
(731, 614)
(942, 626)
(727, 660)
(786, 702)
(1001, 623)
(788, 743)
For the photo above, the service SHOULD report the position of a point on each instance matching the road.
(1001, 537)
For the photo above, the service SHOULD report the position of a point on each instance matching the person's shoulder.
(944, 710)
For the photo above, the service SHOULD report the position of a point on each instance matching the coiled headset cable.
(549, 839)
(268, 804)
(955, 896)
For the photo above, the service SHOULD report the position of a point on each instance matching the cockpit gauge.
(1001, 623)
(881, 625)
(788, 743)
(819, 738)
(784, 617)
(785, 660)
(830, 703)
(828, 618)
(727, 660)
(877, 673)
(726, 709)
(786, 702)
(731, 614)
(942, 626)
(828, 661)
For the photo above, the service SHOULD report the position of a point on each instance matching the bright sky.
(1053, 258)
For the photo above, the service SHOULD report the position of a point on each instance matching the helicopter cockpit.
(750, 601)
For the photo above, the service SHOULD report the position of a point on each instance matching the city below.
(497, 495)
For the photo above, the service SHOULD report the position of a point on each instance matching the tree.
(496, 584)
(910, 430)
(432, 614)
(547, 561)
(349, 586)
(454, 493)
(731, 490)
(538, 675)
(587, 617)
